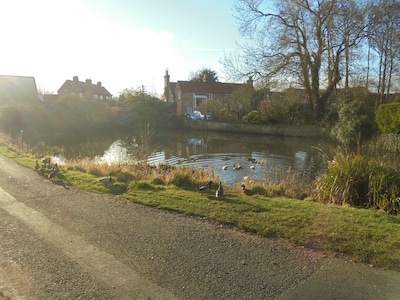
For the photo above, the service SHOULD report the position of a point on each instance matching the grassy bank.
(370, 236)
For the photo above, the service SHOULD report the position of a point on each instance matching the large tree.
(300, 42)
(204, 74)
(142, 109)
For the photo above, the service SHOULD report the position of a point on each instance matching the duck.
(205, 188)
(239, 166)
(252, 167)
(219, 193)
(53, 172)
(106, 179)
(253, 161)
(246, 191)
(46, 163)
(224, 167)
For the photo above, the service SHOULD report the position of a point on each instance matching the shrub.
(360, 182)
(388, 117)
(354, 124)
(12, 120)
(285, 108)
(253, 117)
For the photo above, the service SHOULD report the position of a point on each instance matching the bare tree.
(383, 36)
(302, 42)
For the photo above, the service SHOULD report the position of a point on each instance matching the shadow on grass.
(233, 202)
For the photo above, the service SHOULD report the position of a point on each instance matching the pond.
(261, 157)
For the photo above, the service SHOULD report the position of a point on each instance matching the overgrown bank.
(367, 235)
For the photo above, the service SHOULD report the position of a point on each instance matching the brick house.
(188, 95)
(87, 88)
(18, 90)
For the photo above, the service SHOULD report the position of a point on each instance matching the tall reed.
(359, 181)
(388, 142)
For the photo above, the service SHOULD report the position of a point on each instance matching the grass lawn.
(370, 236)
(366, 235)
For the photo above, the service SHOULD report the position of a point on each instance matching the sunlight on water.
(116, 153)
(59, 160)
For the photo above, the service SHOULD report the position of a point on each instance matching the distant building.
(188, 95)
(18, 90)
(84, 89)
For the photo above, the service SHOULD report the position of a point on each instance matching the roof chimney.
(250, 81)
(166, 85)
(204, 78)
(99, 83)
(75, 78)
(89, 81)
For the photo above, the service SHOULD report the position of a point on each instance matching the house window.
(179, 96)
(101, 97)
(209, 95)
(95, 96)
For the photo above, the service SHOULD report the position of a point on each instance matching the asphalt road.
(58, 242)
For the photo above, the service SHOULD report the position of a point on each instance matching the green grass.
(3, 297)
(366, 235)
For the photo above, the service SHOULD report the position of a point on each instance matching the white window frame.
(195, 97)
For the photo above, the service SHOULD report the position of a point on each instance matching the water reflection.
(271, 156)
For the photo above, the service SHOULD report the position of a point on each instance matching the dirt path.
(63, 243)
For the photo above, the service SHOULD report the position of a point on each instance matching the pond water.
(262, 157)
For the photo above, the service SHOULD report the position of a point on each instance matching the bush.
(354, 124)
(12, 120)
(253, 117)
(285, 108)
(388, 117)
(360, 182)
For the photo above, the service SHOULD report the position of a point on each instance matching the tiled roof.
(87, 87)
(202, 88)
(17, 88)
(50, 97)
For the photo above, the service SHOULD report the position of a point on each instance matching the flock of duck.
(54, 170)
(219, 192)
(239, 166)
(46, 164)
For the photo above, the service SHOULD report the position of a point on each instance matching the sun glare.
(56, 40)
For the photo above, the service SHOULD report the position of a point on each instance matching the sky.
(124, 44)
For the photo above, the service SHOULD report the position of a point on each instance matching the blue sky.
(122, 43)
